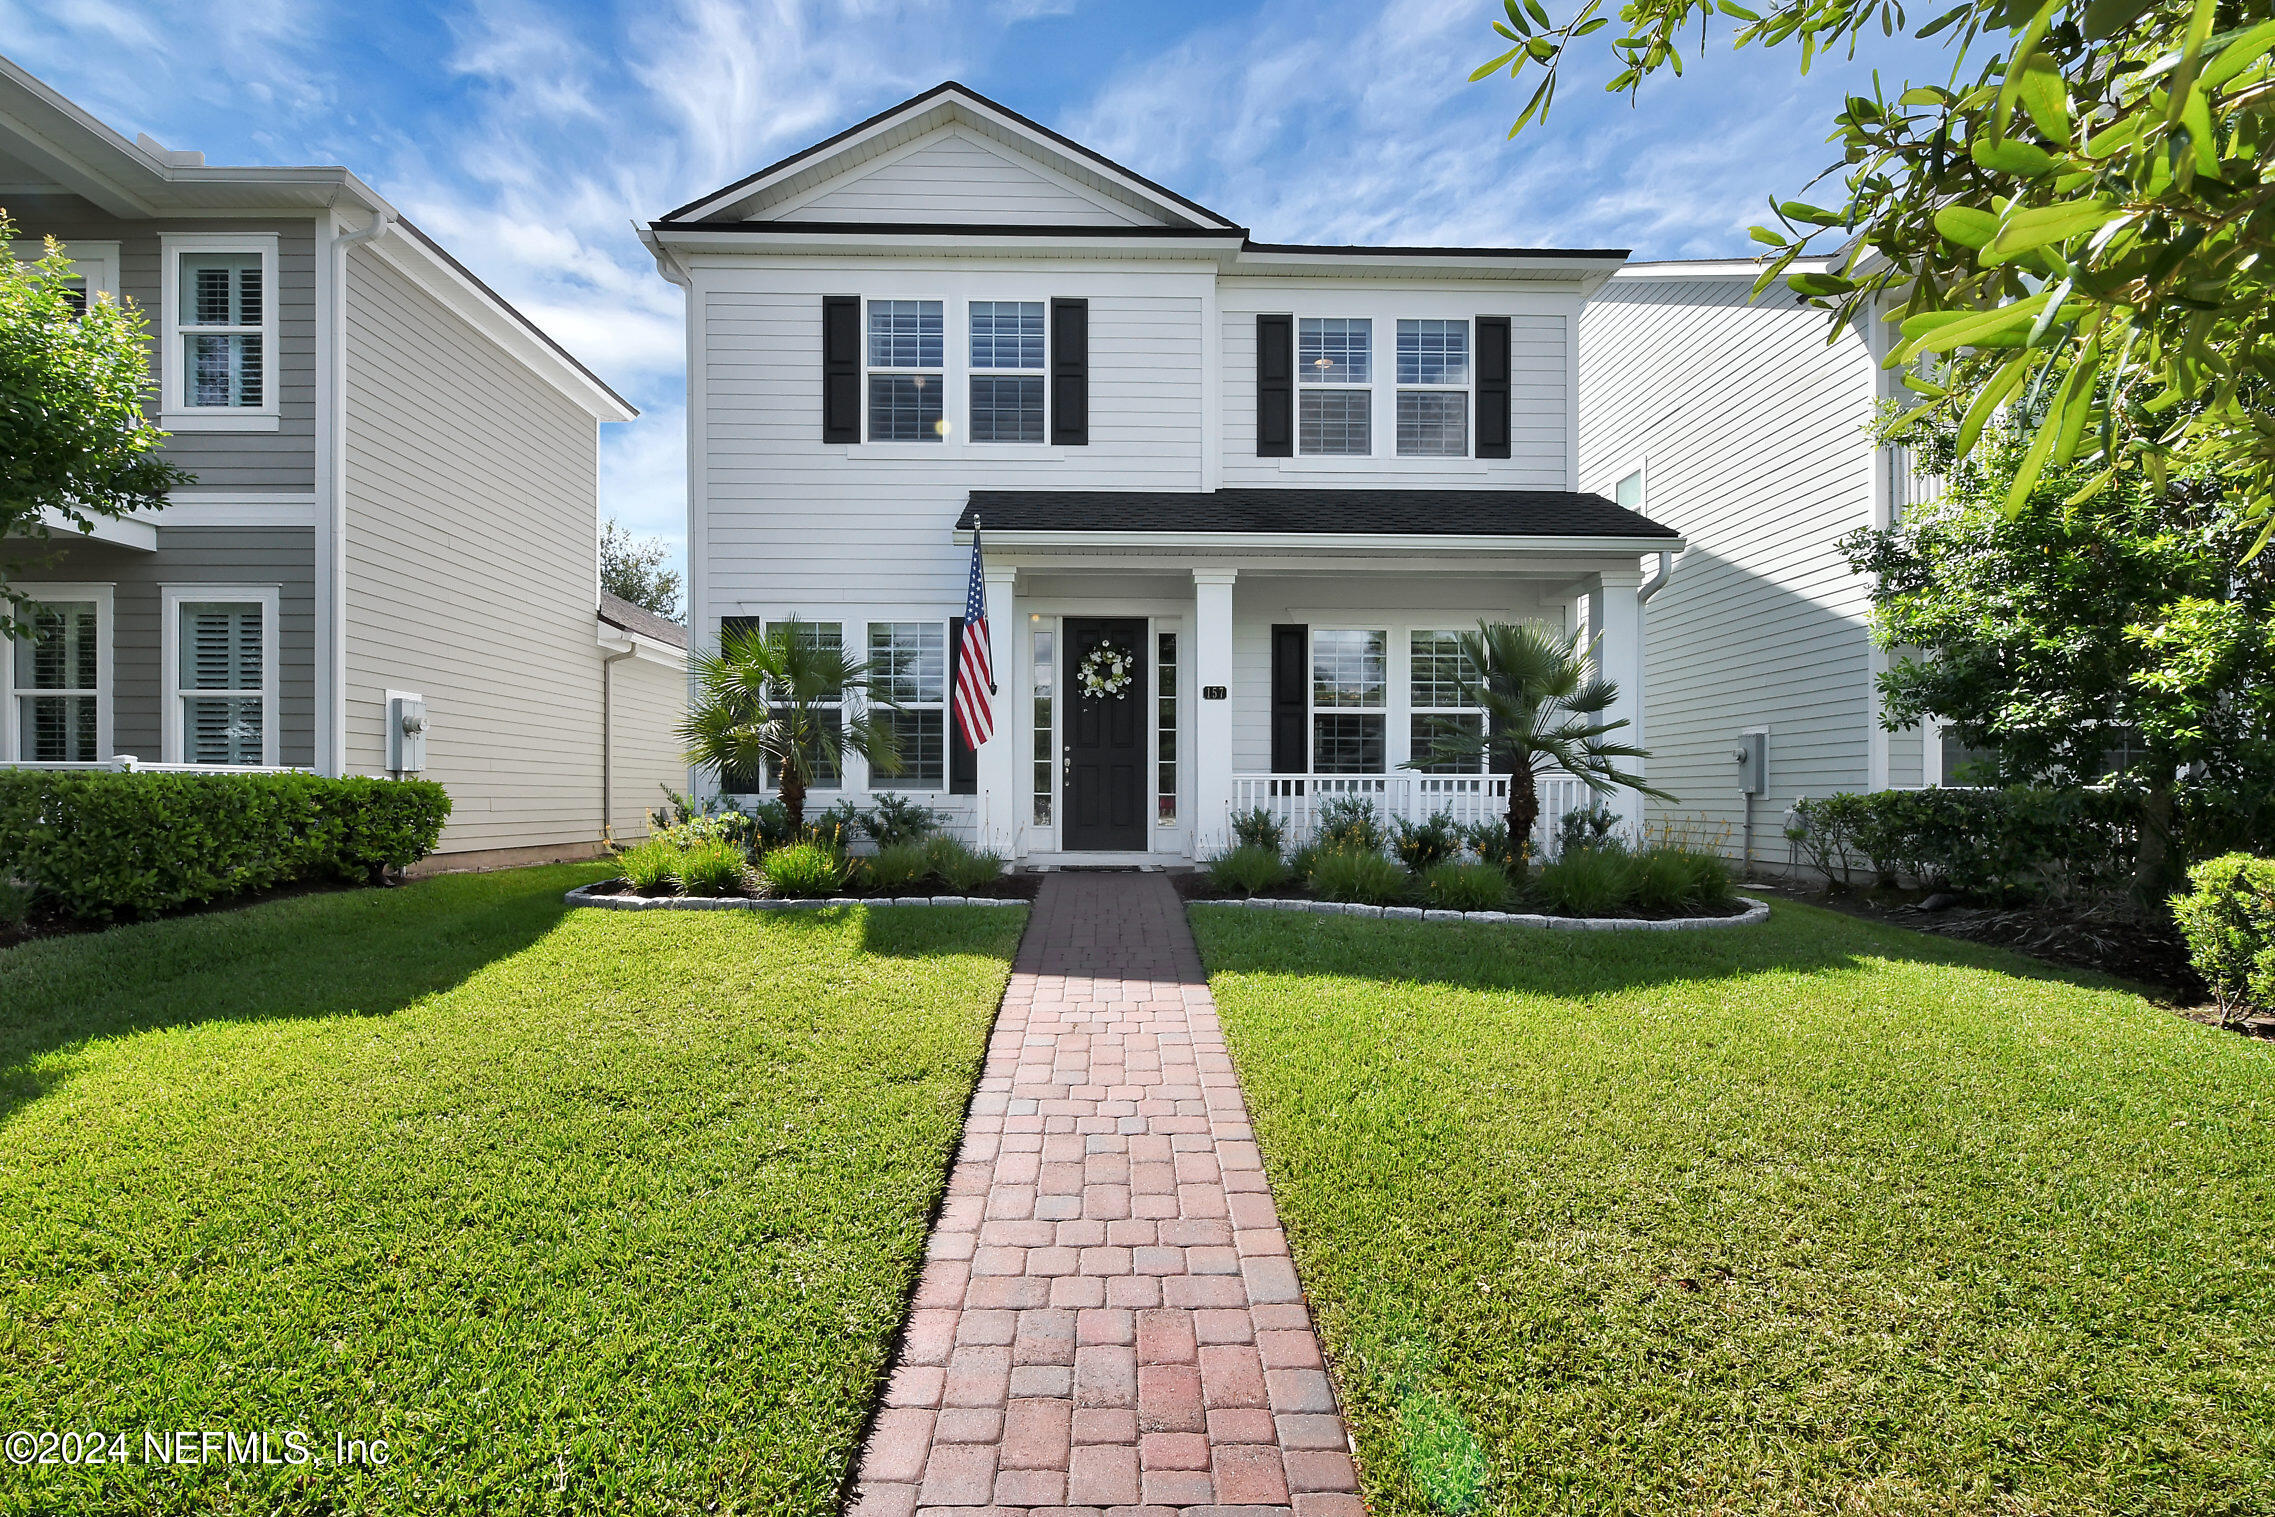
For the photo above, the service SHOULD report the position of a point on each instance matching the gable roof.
(626, 617)
(1315, 511)
(920, 115)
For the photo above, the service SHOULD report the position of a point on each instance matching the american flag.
(975, 675)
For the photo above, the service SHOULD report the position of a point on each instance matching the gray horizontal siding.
(955, 177)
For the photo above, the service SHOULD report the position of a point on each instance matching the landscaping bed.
(1200, 886)
(1827, 1216)
(579, 1211)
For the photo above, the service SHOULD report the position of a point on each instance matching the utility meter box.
(406, 733)
(1753, 763)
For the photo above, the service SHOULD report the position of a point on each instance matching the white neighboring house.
(1275, 477)
(1745, 424)
(395, 496)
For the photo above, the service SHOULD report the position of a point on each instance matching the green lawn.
(1819, 1216)
(579, 1211)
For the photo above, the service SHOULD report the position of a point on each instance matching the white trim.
(289, 508)
(106, 667)
(93, 260)
(135, 532)
(1435, 544)
(645, 649)
(175, 413)
(1639, 463)
(327, 503)
(171, 599)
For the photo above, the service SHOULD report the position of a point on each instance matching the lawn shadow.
(916, 932)
(347, 953)
(1558, 962)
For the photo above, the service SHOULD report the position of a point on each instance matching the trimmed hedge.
(1996, 843)
(104, 846)
(2228, 917)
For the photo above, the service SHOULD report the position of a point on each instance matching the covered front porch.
(1153, 681)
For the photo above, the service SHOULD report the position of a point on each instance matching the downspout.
(1643, 594)
(1657, 581)
(335, 514)
(608, 740)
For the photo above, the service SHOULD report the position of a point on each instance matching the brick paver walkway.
(1108, 1317)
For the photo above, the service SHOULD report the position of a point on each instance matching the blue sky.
(529, 137)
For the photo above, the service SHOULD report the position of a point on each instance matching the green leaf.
(1990, 397)
(2010, 90)
(1819, 284)
(1731, 8)
(2043, 225)
(2239, 55)
(1495, 66)
(1592, 24)
(1539, 12)
(1801, 210)
(1967, 226)
(2046, 96)
(2006, 156)
(1765, 235)
(2106, 18)
(1970, 327)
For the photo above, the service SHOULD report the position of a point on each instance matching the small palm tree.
(782, 702)
(1543, 705)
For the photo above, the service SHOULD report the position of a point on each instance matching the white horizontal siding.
(1753, 433)
(954, 176)
(470, 570)
(647, 702)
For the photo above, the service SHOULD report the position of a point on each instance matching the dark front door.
(1105, 739)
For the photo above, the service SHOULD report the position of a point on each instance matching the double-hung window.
(1334, 384)
(1349, 696)
(822, 768)
(1440, 704)
(1433, 389)
(60, 674)
(221, 674)
(908, 666)
(220, 296)
(1009, 374)
(907, 353)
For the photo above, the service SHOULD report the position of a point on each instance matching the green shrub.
(1664, 881)
(1348, 823)
(963, 869)
(2227, 916)
(103, 845)
(1359, 874)
(1587, 882)
(895, 820)
(714, 868)
(894, 870)
(2016, 842)
(1489, 840)
(1422, 845)
(835, 828)
(1249, 868)
(805, 869)
(1594, 825)
(1712, 881)
(1466, 887)
(753, 827)
(1258, 828)
(652, 867)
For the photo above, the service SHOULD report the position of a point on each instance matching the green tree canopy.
(2080, 216)
(75, 446)
(632, 568)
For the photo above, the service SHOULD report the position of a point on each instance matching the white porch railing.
(1296, 799)
(127, 763)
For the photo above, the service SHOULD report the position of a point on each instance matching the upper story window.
(1433, 389)
(220, 299)
(907, 364)
(1009, 371)
(1629, 491)
(1335, 384)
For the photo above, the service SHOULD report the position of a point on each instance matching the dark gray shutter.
(1291, 698)
(1070, 373)
(841, 368)
(963, 758)
(1492, 387)
(753, 781)
(1275, 387)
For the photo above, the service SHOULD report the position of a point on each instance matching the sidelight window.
(1045, 777)
(1165, 702)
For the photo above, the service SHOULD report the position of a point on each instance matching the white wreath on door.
(1107, 672)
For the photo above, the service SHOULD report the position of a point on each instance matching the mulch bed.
(1199, 885)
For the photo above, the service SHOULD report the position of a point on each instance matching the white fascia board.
(647, 650)
(1204, 544)
(1584, 274)
(479, 309)
(762, 239)
(119, 531)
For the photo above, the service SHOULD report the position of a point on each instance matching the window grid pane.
(906, 334)
(221, 290)
(923, 741)
(224, 371)
(1433, 352)
(1045, 759)
(1335, 421)
(61, 652)
(1629, 491)
(1431, 728)
(904, 408)
(1165, 682)
(1007, 334)
(1348, 668)
(908, 661)
(1346, 743)
(221, 646)
(1441, 673)
(59, 729)
(1335, 350)
(1007, 409)
(223, 729)
(1433, 423)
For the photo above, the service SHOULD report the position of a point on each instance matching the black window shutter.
(963, 758)
(1275, 387)
(841, 368)
(1291, 698)
(738, 782)
(1492, 387)
(1070, 373)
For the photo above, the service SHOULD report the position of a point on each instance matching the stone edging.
(589, 895)
(1756, 911)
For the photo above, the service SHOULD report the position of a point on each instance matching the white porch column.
(1212, 719)
(999, 756)
(1619, 654)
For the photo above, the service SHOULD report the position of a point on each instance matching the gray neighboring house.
(395, 503)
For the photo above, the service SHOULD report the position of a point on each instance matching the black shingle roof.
(1451, 513)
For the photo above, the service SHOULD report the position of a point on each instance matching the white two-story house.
(1274, 479)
